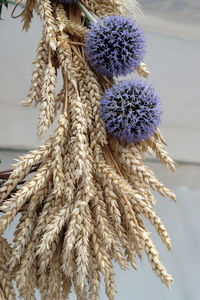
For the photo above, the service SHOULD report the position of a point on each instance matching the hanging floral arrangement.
(84, 205)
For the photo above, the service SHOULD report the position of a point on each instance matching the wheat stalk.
(84, 204)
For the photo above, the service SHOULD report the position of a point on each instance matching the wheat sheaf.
(83, 195)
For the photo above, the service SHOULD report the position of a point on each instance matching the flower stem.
(86, 12)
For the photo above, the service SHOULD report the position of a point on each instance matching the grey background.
(172, 29)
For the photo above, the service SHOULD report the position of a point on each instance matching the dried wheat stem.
(78, 227)
(134, 165)
(5, 250)
(65, 58)
(98, 134)
(84, 94)
(6, 283)
(50, 224)
(23, 167)
(154, 259)
(143, 71)
(148, 177)
(52, 219)
(138, 203)
(93, 277)
(57, 219)
(128, 213)
(6, 287)
(132, 8)
(105, 228)
(161, 153)
(72, 232)
(47, 261)
(48, 105)
(69, 26)
(104, 262)
(55, 276)
(45, 254)
(59, 147)
(40, 62)
(27, 14)
(83, 167)
(25, 227)
(159, 137)
(66, 286)
(75, 29)
(26, 275)
(46, 14)
(60, 167)
(142, 188)
(117, 6)
(45, 258)
(102, 8)
(81, 294)
(31, 187)
(156, 222)
(113, 207)
(61, 17)
(82, 248)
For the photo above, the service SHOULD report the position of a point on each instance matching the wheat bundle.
(84, 206)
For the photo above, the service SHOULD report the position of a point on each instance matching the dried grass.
(84, 206)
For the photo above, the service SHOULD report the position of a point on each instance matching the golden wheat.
(84, 205)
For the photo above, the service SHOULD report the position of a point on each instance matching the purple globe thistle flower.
(130, 110)
(114, 46)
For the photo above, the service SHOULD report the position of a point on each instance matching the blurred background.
(172, 30)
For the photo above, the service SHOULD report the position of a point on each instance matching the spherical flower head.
(114, 46)
(130, 110)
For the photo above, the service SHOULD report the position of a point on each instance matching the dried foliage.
(84, 206)
(6, 287)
